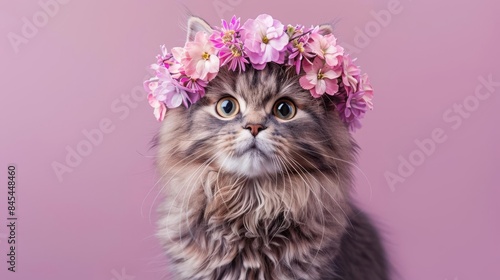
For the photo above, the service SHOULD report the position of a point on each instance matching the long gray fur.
(295, 220)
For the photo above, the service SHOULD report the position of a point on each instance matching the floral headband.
(183, 74)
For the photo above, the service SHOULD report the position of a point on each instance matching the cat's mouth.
(254, 150)
(252, 158)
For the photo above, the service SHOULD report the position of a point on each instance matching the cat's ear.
(325, 29)
(196, 24)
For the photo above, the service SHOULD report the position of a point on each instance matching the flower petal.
(305, 83)
(320, 87)
(174, 100)
(160, 111)
(331, 86)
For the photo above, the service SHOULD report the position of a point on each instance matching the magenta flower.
(183, 75)
(350, 73)
(195, 89)
(228, 40)
(297, 46)
(227, 34)
(234, 57)
(352, 109)
(354, 105)
(199, 58)
(320, 78)
(265, 40)
(326, 47)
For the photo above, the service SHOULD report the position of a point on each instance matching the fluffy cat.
(256, 177)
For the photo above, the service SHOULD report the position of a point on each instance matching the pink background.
(440, 223)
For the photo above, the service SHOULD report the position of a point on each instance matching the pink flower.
(228, 40)
(227, 34)
(353, 105)
(265, 41)
(151, 84)
(326, 48)
(320, 78)
(195, 89)
(183, 75)
(166, 89)
(163, 58)
(297, 46)
(350, 73)
(159, 107)
(199, 58)
(176, 70)
(352, 109)
(234, 57)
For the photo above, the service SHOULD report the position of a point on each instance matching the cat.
(257, 179)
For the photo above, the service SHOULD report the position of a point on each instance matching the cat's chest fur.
(228, 228)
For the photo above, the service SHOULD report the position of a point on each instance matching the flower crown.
(183, 73)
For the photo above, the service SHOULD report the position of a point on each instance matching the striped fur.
(283, 212)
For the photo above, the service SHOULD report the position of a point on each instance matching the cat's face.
(259, 124)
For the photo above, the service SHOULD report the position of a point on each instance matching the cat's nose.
(255, 128)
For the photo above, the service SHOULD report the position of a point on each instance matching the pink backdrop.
(71, 72)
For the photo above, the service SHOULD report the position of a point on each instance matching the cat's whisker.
(286, 210)
(323, 218)
(205, 165)
(217, 184)
(350, 163)
(159, 180)
(219, 192)
(329, 180)
(255, 194)
(207, 137)
(165, 184)
(301, 171)
(173, 175)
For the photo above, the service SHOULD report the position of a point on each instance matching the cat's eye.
(284, 109)
(228, 107)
